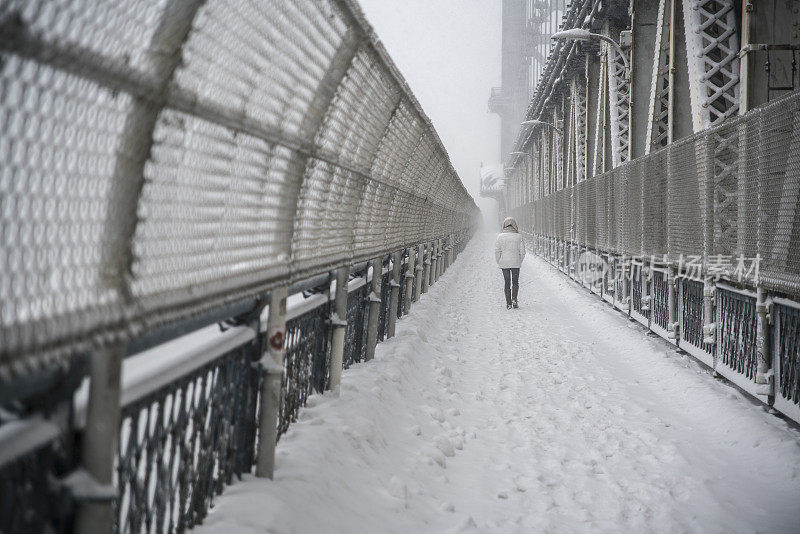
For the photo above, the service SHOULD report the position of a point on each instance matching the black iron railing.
(736, 325)
(180, 445)
(307, 361)
(691, 310)
(787, 349)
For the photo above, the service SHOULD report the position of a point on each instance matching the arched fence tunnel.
(171, 165)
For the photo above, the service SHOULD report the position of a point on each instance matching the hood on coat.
(510, 225)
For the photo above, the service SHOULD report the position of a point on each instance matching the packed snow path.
(561, 416)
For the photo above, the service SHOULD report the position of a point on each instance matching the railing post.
(426, 272)
(272, 364)
(374, 309)
(409, 281)
(764, 374)
(672, 304)
(626, 284)
(394, 294)
(435, 262)
(647, 287)
(101, 435)
(450, 251)
(339, 324)
(420, 270)
(709, 317)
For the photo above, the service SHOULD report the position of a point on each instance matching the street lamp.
(580, 34)
(543, 123)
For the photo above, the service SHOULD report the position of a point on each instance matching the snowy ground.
(562, 416)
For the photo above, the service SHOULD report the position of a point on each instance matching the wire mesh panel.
(180, 445)
(632, 226)
(736, 325)
(779, 195)
(654, 206)
(165, 158)
(787, 353)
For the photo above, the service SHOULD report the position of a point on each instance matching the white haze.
(449, 53)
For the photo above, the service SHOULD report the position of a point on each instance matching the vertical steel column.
(394, 295)
(101, 434)
(374, 309)
(672, 305)
(409, 281)
(426, 273)
(339, 324)
(626, 285)
(764, 374)
(437, 251)
(272, 364)
(450, 251)
(709, 326)
(420, 271)
(647, 287)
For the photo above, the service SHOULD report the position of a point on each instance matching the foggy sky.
(449, 53)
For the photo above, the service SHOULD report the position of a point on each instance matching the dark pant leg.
(507, 280)
(514, 283)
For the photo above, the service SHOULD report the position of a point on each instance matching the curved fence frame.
(164, 158)
(172, 164)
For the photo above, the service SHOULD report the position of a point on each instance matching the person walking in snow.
(509, 251)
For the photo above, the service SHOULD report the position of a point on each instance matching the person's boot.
(508, 298)
(514, 291)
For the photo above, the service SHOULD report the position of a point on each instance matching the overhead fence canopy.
(161, 158)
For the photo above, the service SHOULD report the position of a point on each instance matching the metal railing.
(699, 265)
(168, 165)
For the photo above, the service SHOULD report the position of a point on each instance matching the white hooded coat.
(509, 249)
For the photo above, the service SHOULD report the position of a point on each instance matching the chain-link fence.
(701, 244)
(167, 165)
(734, 212)
(161, 158)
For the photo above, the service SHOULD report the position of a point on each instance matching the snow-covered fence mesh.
(167, 165)
(692, 236)
(162, 158)
(670, 204)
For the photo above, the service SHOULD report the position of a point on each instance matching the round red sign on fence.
(276, 340)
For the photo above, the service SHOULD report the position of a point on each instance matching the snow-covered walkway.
(562, 416)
